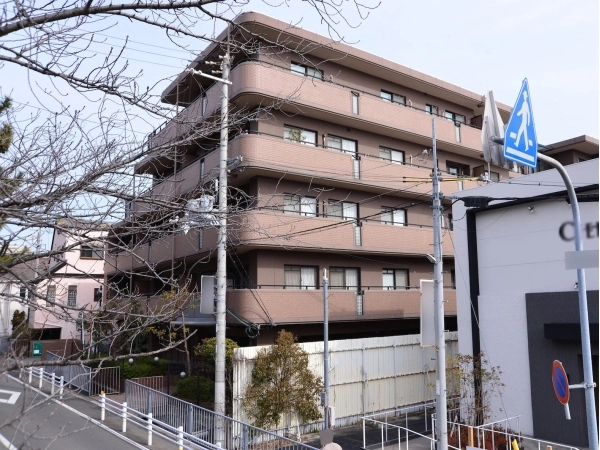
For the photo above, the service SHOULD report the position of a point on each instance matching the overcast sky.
(477, 45)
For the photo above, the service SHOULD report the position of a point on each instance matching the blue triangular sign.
(520, 139)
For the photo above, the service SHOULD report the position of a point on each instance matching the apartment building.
(336, 177)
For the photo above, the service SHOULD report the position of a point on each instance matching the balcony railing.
(279, 83)
(299, 306)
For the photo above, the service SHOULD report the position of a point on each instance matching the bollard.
(102, 406)
(53, 381)
(180, 438)
(41, 377)
(124, 429)
(30, 372)
(149, 429)
(62, 386)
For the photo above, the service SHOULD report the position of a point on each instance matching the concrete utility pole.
(326, 348)
(221, 278)
(438, 297)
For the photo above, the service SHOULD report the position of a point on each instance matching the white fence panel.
(367, 375)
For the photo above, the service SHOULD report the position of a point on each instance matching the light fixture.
(531, 209)
(130, 361)
(431, 259)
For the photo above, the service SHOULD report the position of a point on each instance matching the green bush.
(192, 388)
(144, 367)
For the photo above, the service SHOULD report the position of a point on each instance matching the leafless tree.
(70, 169)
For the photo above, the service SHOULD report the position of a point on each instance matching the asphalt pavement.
(30, 420)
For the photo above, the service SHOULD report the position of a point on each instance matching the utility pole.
(438, 297)
(326, 349)
(221, 278)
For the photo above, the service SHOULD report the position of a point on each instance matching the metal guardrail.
(175, 435)
(504, 430)
(204, 424)
(86, 379)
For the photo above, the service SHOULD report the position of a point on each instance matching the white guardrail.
(177, 436)
(56, 383)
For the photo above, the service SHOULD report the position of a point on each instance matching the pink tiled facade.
(378, 256)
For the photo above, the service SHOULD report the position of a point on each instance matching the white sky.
(477, 45)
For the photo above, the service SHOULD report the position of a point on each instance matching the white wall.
(519, 252)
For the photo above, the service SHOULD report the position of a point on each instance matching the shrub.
(196, 388)
(144, 367)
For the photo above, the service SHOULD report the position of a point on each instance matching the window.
(307, 71)
(300, 277)
(23, 293)
(98, 294)
(395, 279)
(431, 109)
(72, 296)
(50, 296)
(457, 118)
(354, 102)
(450, 223)
(393, 216)
(343, 210)
(393, 98)
(344, 145)
(453, 278)
(457, 169)
(88, 251)
(343, 278)
(391, 155)
(299, 135)
(297, 204)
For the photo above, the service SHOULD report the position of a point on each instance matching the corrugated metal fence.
(367, 375)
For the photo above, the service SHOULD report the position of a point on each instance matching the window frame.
(290, 267)
(391, 159)
(72, 302)
(393, 97)
(343, 208)
(392, 210)
(307, 71)
(429, 109)
(51, 289)
(393, 273)
(341, 149)
(299, 210)
(302, 130)
(454, 117)
(94, 252)
(345, 286)
(493, 179)
(461, 169)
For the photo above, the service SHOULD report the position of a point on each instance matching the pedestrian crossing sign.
(520, 140)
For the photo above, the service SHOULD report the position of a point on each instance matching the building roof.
(584, 144)
(343, 54)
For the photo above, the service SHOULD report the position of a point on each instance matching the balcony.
(292, 231)
(327, 101)
(195, 242)
(290, 306)
(267, 154)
